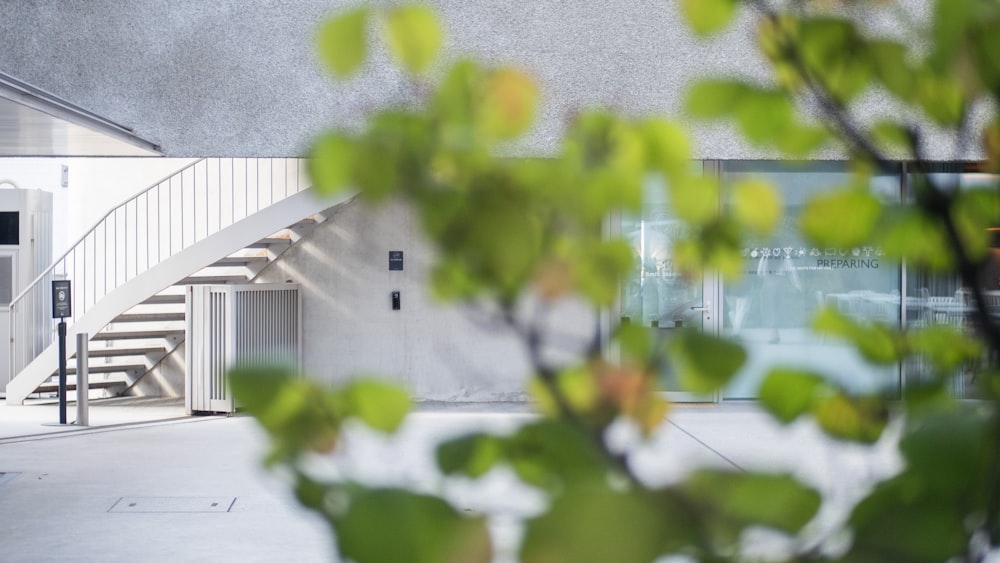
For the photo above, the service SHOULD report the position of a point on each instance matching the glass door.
(657, 296)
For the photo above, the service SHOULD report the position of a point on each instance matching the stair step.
(106, 368)
(137, 334)
(133, 351)
(149, 317)
(54, 387)
(270, 241)
(210, 279)
(239, 261)
(165, 299)
(307, 222)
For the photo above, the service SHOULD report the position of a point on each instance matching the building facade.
(240, 79)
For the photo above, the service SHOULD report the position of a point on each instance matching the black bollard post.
(62, 371)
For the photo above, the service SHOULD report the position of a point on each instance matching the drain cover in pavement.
(173, 504)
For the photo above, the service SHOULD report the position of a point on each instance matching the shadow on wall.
(350, 327)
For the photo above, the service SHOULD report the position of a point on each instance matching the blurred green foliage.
(504, 227)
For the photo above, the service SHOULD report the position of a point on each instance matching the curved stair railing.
(170, 216)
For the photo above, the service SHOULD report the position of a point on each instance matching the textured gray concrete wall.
(438, 352)
(240, 77)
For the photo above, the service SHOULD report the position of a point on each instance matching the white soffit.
(36, 123)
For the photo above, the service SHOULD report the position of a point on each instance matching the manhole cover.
(173, 504)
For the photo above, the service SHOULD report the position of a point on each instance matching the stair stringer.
(167, 273)
(169, 361)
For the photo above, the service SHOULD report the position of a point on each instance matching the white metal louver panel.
(219, 328)
(232, 324)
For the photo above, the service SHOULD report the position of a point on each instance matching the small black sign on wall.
(395, 259)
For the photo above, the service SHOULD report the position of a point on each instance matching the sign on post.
(62, 305)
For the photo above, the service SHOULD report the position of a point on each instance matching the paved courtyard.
(146, 483)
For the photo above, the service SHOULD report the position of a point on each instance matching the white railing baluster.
(98, 271)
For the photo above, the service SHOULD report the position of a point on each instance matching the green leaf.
(895, 524)
(708, 16)
(578, 387)
(928, 511)
(299, 414)
(946, 347)
(600, 269)
(842, 219)
(668, 149)
(696, 200)
(799, 141)
(974, 212)
(878, 344)
(856, 419)
(509, 100)
(910, 234)
(415, 36)
(949, 30)
(331, 163)
(393, 154)
(733, 501)
(456, 100)
(593, 524)
(637, 343)
(551, 454)
(892, 69)
(399, 526)
(764, 116)
(788, 394)
(941, 97)
(705, 363)
(256, 386)
(714, 98)
(835, 55)
(947, 451)
(471, 455)
(985, 43)
(343, 44)
(311, 493)
(892, 136)
(716, 249)
(380, 405)
(757, 206)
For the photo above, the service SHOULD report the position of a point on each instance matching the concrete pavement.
(146, 483)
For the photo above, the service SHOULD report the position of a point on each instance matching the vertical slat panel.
(251, 323)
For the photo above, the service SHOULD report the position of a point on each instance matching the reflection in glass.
(656, 295)
(787, 280)
(936, 299)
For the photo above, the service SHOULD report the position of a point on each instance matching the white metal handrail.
(171, 215)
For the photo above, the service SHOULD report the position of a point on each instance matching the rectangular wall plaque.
(395, 259)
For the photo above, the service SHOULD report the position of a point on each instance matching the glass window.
(942, 299)
(10, 227)
(6, 280)
(787, 279)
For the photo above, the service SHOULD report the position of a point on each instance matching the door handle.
(699, 308)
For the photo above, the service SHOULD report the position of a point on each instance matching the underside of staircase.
(137, 341)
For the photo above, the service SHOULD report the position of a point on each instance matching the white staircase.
(216, 221)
